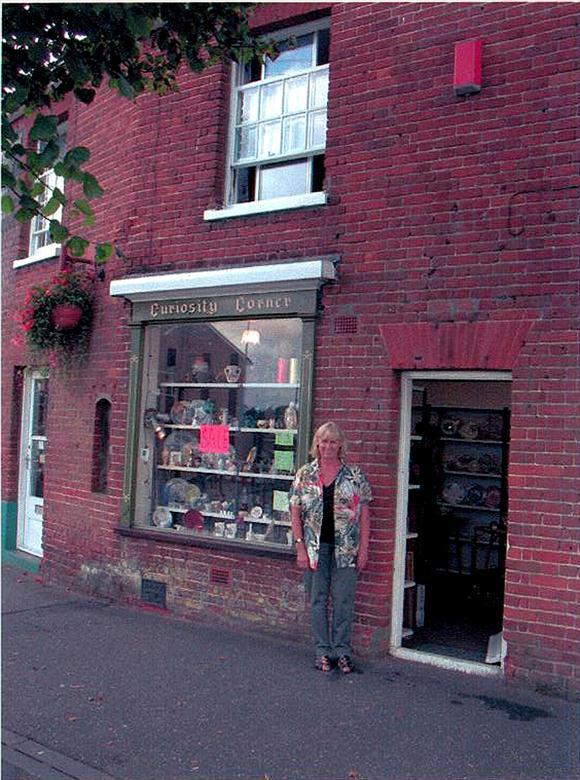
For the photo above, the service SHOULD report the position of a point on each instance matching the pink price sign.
(214, 438)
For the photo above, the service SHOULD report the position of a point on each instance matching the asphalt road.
(96, 690)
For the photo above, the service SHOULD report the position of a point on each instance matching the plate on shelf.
(192, 494)
(177, 490)
(449, 426)
(162, 517)
(453, 492)
(256, 512)
(179, 413)
(469, 430)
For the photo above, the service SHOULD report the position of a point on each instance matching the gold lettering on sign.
(246, 303)
(183, 308)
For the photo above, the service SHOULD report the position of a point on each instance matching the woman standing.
(330, 523)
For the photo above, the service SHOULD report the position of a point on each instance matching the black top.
(327, 530)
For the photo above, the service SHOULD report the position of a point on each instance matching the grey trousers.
(339, 586)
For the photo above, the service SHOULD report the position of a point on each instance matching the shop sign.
(241, 305)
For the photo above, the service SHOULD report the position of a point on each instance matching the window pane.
(270, 139)
(319, 89)
(221, 438)
(295, 94)
(294, 134)
(292, 60)
(271, 105)
(39, 407)
(277, 181)
(247, 142)
(317, 130)
(322, 57)
(248, 106)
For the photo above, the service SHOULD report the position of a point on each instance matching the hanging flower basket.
(57, 316)
(66, 316)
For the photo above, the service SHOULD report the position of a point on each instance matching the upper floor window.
(40, 225)
(279, 120)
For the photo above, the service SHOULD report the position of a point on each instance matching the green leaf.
(51, 207)
(49, 155)
(44, 128)
(58, 232)
(77, 246)
(77, 156)
(84, 207)
(103, 252)
(24, 215)
(7, 204)
(125, 88)
(8, 179)
(91, 187)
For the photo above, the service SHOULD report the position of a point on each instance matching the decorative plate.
(449, 426)
(475, 495)
(469, 430)
(193, 519)
(492, 498)
(192, 495)
(179, 412)
(162, 517)
(177, 491)
(453, 492)
(256, 512)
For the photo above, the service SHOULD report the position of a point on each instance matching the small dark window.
(101, 437)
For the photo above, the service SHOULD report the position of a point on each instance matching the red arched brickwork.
(493, 345)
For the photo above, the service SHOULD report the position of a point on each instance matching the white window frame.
(302, 200)
(39, 225)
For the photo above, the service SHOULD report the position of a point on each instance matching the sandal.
(323, 663)
(345, 664)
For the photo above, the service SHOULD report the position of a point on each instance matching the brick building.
(371, 230)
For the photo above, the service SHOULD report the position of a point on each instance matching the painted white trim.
(401, 511)
(463, 375)
(50, 251)
(447, 662)
(191, 282)
(407, 380)
(266, 206)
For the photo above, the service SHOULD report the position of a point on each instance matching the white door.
(32, 461)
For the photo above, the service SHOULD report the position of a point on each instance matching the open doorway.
(452, 515)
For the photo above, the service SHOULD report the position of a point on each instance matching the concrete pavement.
(96, 690)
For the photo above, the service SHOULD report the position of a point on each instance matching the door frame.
(398, 591)
(30, 376)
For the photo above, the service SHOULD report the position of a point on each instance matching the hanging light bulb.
(250, 335)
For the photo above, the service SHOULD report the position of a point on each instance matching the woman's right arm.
(298, 534)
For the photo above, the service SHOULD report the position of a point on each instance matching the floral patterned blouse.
(351, 492)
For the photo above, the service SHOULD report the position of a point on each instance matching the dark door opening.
(457, 518)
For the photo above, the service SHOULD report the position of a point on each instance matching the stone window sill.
(214, 543)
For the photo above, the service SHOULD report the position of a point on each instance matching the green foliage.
(51, 50)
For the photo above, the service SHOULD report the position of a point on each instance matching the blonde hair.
(332, 429)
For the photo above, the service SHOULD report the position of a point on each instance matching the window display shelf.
(199, 470)
(473, 507)
(473, 474)
(293, 431)
(252, 475)
(235, 385)
(461, 440)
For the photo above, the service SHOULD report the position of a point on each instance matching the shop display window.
(220, 409)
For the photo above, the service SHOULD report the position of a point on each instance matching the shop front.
(220, 393)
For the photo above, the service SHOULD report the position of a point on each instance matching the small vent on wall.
(153, 593)
(346, 325)
(219, 576)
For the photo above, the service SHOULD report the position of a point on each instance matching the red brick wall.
(441, 209)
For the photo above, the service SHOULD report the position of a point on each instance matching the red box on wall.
(467, 68)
